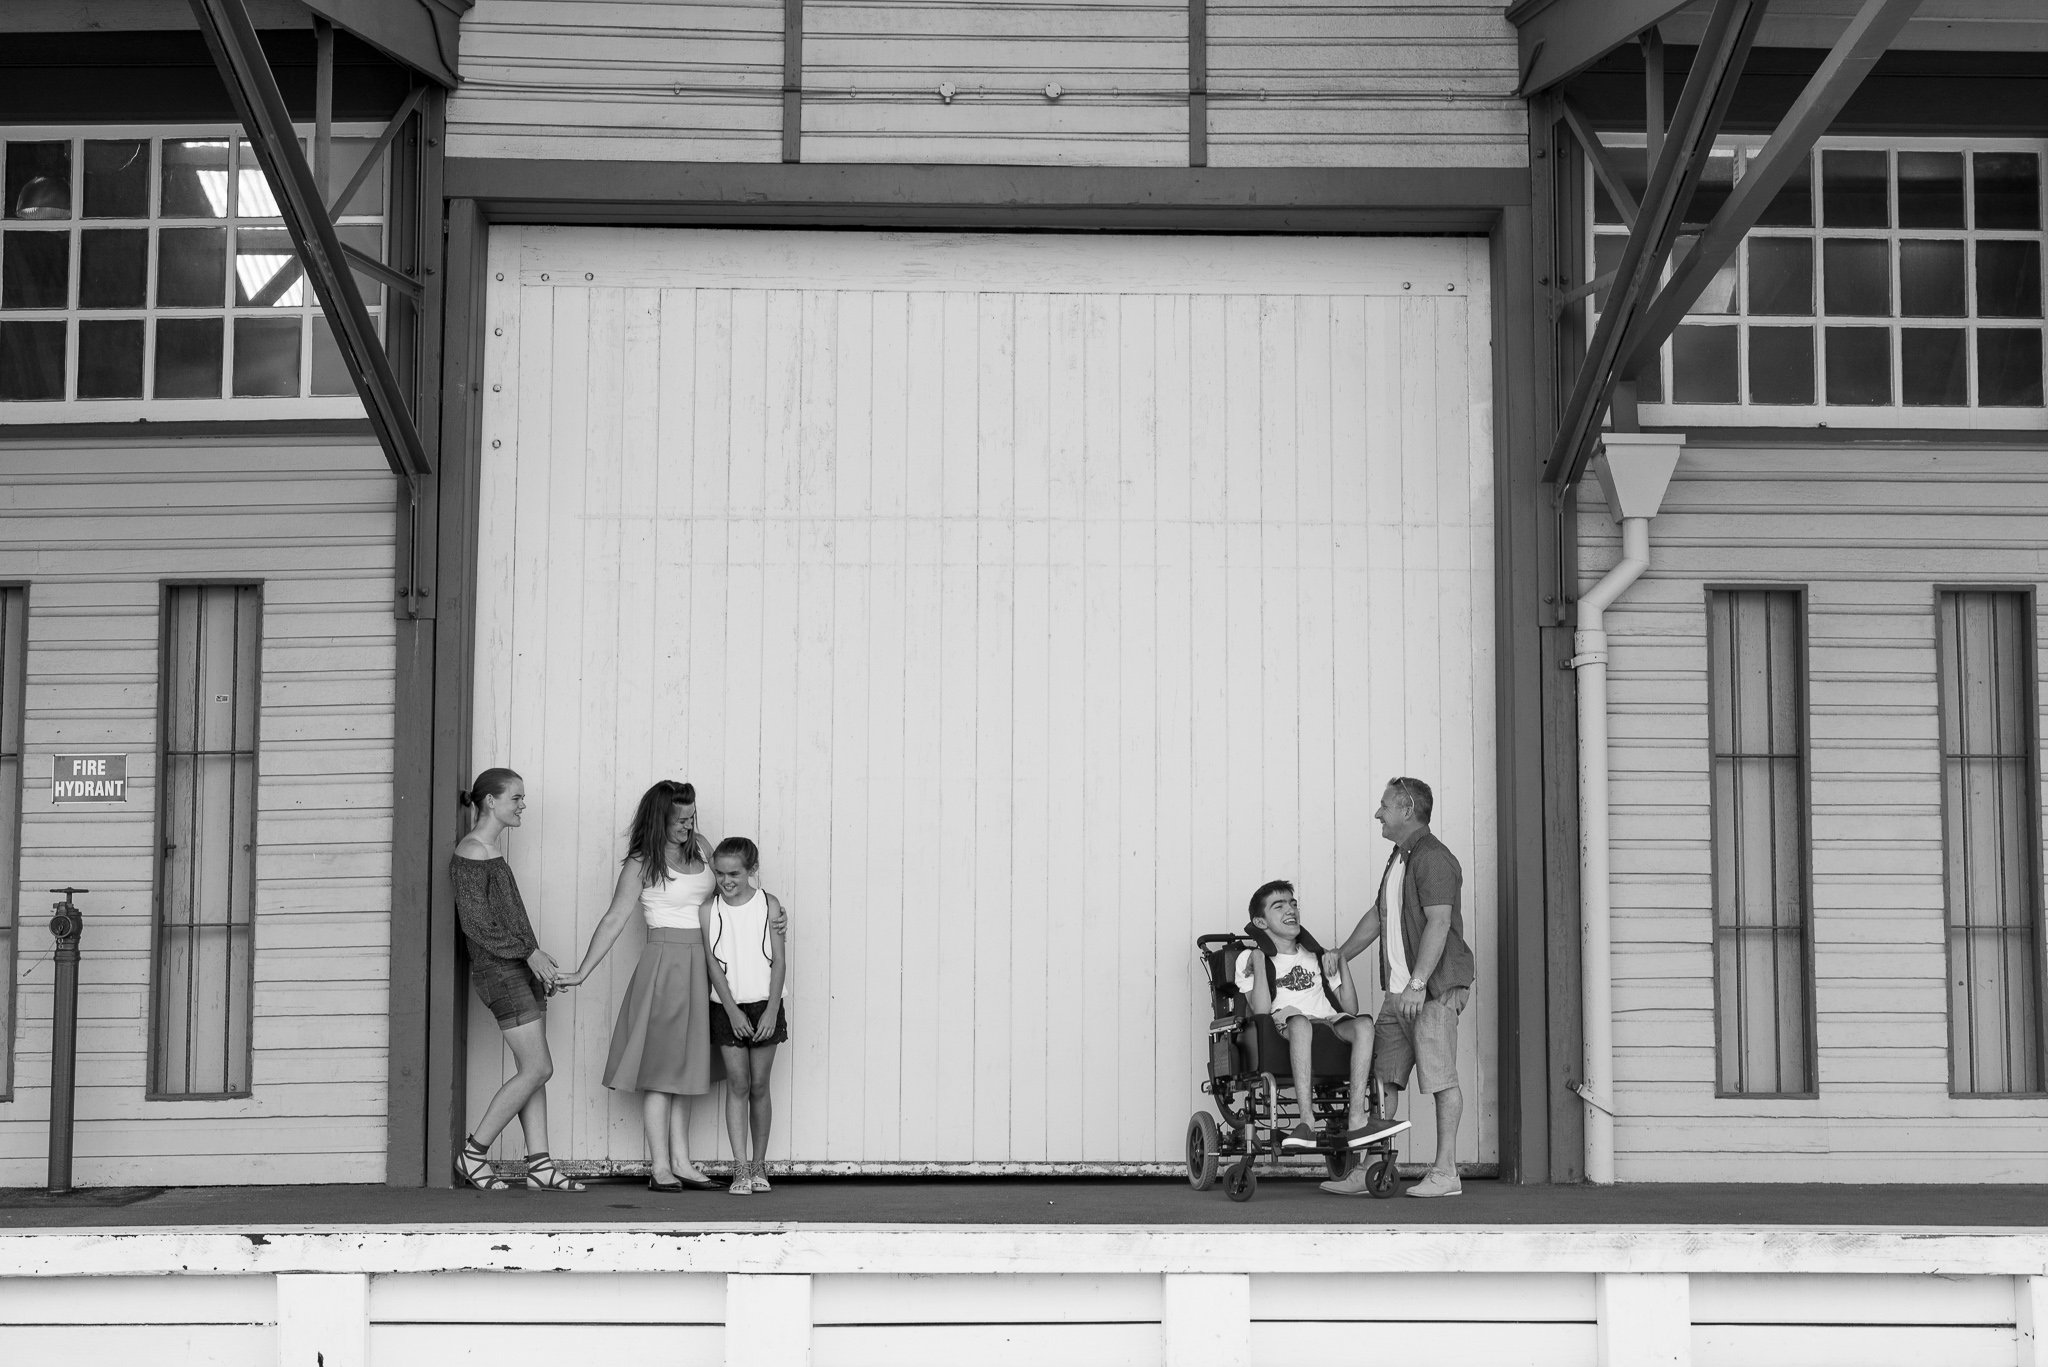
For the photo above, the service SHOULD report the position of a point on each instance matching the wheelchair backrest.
(1219, 960)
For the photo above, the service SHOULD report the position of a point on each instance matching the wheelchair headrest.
(1258, 936)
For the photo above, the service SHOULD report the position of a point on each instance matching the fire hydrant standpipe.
(65, 928)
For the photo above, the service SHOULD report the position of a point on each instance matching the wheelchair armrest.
(1225, 1025)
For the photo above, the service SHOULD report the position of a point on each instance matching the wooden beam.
(1652, 43)
(1709, 89)
(323, 105)
(1560, 38)
(340, 204)
(1603, 162)
(792, 80)
(1854, 54)
(370, 265)
(231, 38)
(1198, 82)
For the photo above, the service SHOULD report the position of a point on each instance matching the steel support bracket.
(231, 38)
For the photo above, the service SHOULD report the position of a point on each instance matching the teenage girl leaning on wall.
(513, 975)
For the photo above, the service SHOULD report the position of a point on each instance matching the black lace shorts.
(721, 1027)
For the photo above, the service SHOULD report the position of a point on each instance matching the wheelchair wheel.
(1340, 1164)
(1240, 1182)
(1203, 1147)
(1381, 1181)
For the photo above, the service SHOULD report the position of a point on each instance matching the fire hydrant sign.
(89, 779)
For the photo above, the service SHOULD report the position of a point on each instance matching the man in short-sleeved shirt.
(1426, 972)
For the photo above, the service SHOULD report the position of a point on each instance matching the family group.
(714, 973)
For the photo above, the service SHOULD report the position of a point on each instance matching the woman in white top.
(661, 1045)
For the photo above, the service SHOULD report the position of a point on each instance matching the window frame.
(153, 1082)
(1807, 967)
(72, 409)
(14, 664)
(1819, 414)
(2030, 625)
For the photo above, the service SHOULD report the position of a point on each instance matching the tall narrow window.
(1991, 845)
(13, 658)
(1763, 985)
(206, 821)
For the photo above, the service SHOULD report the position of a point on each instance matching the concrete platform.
(1280, 1200)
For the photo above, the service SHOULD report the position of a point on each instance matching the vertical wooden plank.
(323, 1320)
(1353, 454)
(805, 1080)
(1644, 1319)
(767, 1320)
(1033, 857)
(1101, 972)
(1219, 902)
(923, 697)
(1279, 633)
(1316, 682)
(1206, 1319)
(994, 890)
(1244, 669)
(639, 748)
(891, 870)
(852, 791)
(1138, 993)
(1066, 1035)
(1180, 1019)
(711, 544)
(958, 642)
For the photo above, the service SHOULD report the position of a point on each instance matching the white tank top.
(738, 936)
(673, 905)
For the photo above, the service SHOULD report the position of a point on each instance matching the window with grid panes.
(13, 678)
(1763, 984)
(146, 273)
(1991, 786)
(203, 970)
(1889, 283)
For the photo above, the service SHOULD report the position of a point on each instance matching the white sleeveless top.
(738, 936)
(673, 905)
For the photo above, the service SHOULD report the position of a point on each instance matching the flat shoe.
(697, 1184)
(653, 1185)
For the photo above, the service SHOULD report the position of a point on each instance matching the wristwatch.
(1417, 985)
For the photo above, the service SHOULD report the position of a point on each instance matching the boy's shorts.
(1428, 1044)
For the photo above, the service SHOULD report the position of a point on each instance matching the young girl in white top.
(743, 927)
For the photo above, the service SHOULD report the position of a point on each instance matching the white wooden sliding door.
(1030, 599)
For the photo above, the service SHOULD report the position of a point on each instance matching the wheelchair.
(1247, 1061)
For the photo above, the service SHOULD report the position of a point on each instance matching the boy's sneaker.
(1434, 1183)
(1373, 1131)
(1300, 1137)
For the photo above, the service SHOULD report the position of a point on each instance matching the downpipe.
(1589, 661)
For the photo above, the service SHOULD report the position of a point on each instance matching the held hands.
(544, 968)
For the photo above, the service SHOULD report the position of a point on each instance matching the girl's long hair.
(647, 837)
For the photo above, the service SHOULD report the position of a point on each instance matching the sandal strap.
(542, 1172)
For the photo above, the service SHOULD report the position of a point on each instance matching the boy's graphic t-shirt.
(1297, 984)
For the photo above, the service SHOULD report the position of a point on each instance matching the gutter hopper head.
(1635, 470)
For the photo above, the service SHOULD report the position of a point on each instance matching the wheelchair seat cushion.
(1329, 1052)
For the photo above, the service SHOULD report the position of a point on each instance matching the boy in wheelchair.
(1284, 979)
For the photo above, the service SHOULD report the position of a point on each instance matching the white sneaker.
(1434, 1183)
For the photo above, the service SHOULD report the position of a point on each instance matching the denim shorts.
(1428, 1044)
(513, 991)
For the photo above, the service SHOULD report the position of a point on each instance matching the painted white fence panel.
(1029, 599)
(1871, 535)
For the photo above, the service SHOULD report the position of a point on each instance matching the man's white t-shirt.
(1390, 928)
(1297, 984)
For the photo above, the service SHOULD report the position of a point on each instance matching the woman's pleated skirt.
(662, 1041)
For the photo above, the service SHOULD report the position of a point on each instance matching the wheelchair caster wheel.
(1204, 1145)
(1381, 1180)
(1239, 1183)
(1340, 1164)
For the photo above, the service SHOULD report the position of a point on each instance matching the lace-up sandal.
(473, 1167)
(542, 1175)
(761, 1177)
(742, 1178)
